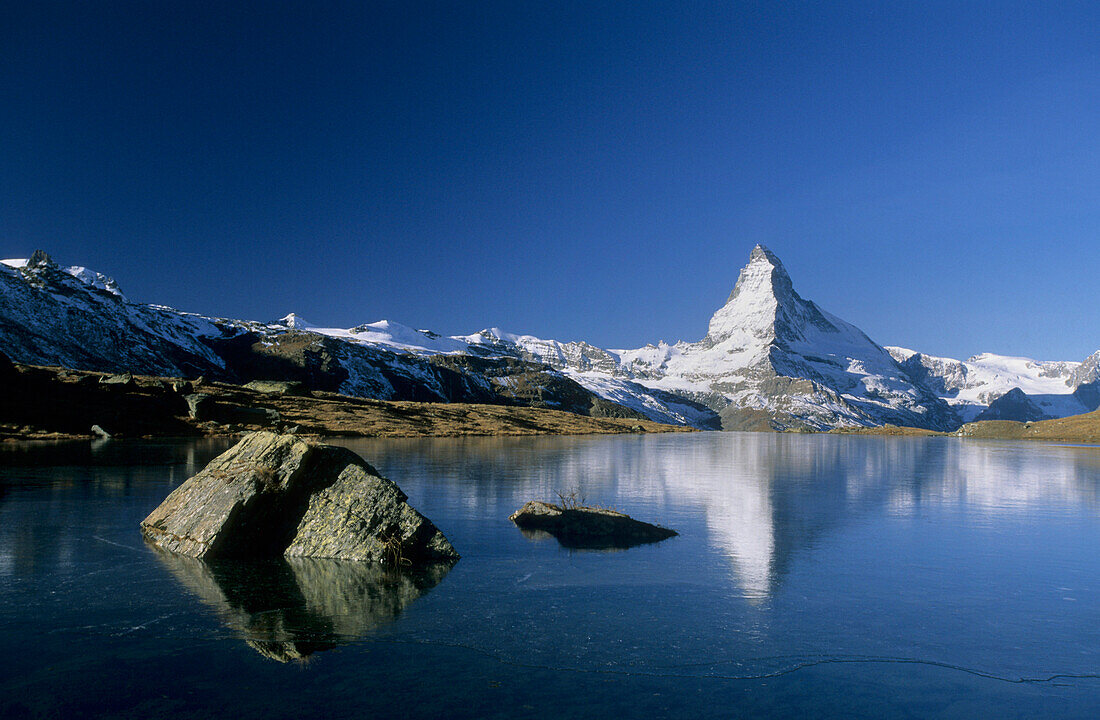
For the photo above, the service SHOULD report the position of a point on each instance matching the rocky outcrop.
(204, 408)
(1013, 405)
(272, 495)
(581, 526)
(279, 387)
(121, 380)
(67, 402)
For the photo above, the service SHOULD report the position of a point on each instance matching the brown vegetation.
(55, 402)
(1076, 428)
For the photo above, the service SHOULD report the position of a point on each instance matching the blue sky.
(601, 171)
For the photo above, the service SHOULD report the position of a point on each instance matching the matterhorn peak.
(762, 288)
(764, 274)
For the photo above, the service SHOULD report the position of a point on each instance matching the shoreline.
(56, 403)
(1084, 429)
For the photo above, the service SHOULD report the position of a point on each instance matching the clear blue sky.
(928, 171)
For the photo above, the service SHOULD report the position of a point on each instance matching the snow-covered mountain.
(80, 319)
(771, 355)
(770, 359)
(972, 386)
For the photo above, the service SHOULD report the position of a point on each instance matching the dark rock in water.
(588, 527)
(182, 387)
(123, 380)
(279, 387)
(273, 495)
(289, 608)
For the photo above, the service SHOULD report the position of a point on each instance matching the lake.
(814, 576)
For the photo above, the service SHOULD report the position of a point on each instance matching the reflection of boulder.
(585, 527)
(272, 495)
(288, 608)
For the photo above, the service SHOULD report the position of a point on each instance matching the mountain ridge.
(770, 359)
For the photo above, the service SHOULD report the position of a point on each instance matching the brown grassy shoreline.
(57, 403)
(1076, 429)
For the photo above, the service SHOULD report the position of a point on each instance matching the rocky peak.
(40, 260)
(1086, 372)
(764, 276)
(764, 272)
(764, 304)
(294, 321)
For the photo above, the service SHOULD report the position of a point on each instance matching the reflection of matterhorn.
(767, 498)
(289, 608)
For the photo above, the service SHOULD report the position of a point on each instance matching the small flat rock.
(124, 380)
(272, 495)
(588, 527)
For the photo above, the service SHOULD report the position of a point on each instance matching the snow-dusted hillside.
(79, 318)
(971, 385)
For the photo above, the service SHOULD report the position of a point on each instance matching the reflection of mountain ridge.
(764, 497)
(289, 608)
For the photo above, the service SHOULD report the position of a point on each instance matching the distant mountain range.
(770, 360)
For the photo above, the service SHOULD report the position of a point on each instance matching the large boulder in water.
(273, 495)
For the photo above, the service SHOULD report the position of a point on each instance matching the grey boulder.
(272, 495)
(279, 387)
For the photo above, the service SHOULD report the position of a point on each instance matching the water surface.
(814, 576)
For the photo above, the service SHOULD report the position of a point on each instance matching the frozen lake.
(814, 576)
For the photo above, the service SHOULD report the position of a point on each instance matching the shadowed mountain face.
(1013, 405)
(289, 608)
